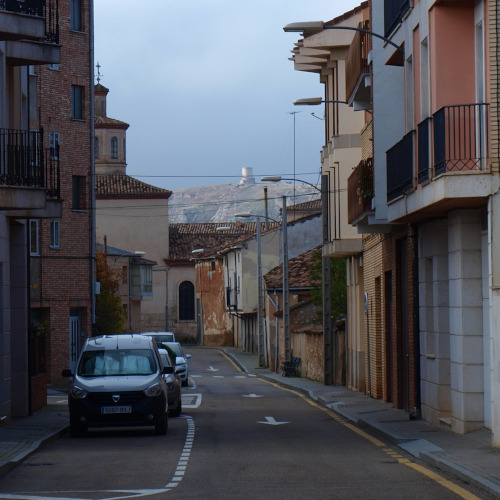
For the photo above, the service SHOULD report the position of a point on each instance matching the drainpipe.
(92, 169)
(417, 413)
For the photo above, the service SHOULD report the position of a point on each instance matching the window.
(34, 237)
(96, 147)
(54, 145)
(186, 301)
(124, 274)
(76, 15)
(141, 279)
(77, 102)
(114, 148)
(54, 66)
(78, 193)
(55, 235)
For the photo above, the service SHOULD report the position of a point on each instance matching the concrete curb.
(7, 466)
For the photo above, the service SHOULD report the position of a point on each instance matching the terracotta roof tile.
(307, 206)
(185, 237)
(106, 122)
(299, 275)
(120, 185)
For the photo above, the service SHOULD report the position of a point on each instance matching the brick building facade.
(61, 303)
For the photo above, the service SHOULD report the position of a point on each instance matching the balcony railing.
(393, 13)
(25, 163)
(48, 9)
(360, 190)
(400, 167)
(357, 58)
(461, 138)
(454, 139)
(424, 152)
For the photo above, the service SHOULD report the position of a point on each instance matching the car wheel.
(76, 428)
(161, 425)
(178, 410)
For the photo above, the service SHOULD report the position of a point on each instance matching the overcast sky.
(207, 87)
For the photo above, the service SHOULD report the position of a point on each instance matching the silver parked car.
(173, 385)
(161, 337)
(181, 365)
(118, 381)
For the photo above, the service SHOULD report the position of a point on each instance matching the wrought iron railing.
(48, 9)
(423, 148)
(393, 13)
(25, 163)
(360, 190)
(461, 141)
(400, 167)
(357, 58)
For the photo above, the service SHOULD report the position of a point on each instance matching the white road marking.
(252, 396)
(212, 369)
(272, 421)
(191, 400)
(125, 494)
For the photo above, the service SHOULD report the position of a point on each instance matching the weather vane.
(98, 66)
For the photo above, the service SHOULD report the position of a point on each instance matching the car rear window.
(163, 338)
(118, 362)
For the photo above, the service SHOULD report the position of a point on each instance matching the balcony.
(29, 173)
(452, 164)
(400, 167)
(358, 71)
(29, 20)
(360, 190)
(394, 10)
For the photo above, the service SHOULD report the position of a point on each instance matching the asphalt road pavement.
(239, 437)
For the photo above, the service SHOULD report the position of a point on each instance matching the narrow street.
(239, 437)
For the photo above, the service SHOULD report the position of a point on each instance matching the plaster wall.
(141, 225)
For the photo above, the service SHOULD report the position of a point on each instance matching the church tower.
(110, 137)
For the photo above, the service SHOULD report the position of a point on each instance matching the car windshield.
(117, 362)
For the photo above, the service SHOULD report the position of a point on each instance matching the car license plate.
(106, 410)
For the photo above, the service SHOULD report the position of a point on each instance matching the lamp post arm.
(277, 179)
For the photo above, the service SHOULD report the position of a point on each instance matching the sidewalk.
(23, 436)
(468, 457)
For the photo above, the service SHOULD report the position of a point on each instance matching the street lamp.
(286, 301)
(325, 273)
(260, 299)
(315, 101)
(313, 27)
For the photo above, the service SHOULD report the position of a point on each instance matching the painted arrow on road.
(251, 396)
(212, 369)
(272, 421)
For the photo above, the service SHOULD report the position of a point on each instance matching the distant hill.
(220, 203)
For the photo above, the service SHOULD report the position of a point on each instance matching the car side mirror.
(66, 373)
(167, 369)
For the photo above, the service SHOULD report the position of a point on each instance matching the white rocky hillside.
(221, 202)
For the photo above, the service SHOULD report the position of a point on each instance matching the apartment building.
(29, 190)
(436, 171)
(424, 198)
(61, 270)
(338, 57)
